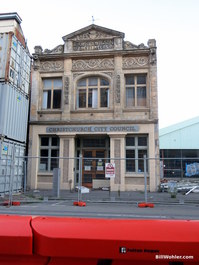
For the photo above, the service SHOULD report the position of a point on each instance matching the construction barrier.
(75, 241)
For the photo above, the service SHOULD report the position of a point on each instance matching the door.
(93, 166)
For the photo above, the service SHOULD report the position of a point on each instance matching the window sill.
(135, 175)
(92, 111)
(46, 173)
(50, 111)
(136, 109)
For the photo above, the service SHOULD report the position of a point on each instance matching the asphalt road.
(105, 210)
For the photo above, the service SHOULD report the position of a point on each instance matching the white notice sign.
(110, 170)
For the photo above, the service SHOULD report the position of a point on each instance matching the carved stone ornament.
(108, 73)
(50, 66)
(93, 45)
(128, 45)
(75, 75)
(56, 50)
(93, 64)
(66, 90)
(92, 34)
(117, 92)
(135, 62)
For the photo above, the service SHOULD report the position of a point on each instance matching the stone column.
(67, 163)
(117, 150)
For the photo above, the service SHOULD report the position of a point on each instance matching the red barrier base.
(79, 203)
(7, 203)
(145, 205)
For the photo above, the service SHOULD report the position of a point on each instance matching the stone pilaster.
(67, 163)
(117, 153)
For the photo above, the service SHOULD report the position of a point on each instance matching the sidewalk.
(101, 196)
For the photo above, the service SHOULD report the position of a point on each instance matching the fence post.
(12, 175)
(25, 176)
(145, 179)
(80, 178)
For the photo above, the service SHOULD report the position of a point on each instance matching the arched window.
(92, 92)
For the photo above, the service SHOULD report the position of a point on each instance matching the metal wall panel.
(5, 39)
(7, 170)
(15, 62)
(13, 112)
(19, 69)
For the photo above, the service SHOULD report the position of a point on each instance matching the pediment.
(93, 32)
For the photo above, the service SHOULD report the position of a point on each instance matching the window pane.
(47, 83)
(44, 141)
(141, 79)
(57, 83)
(92, 98)
(130, 163)
(56, 99)
(43, 160)
(130, 141)
(81, 98)
(142, 141)
(130, 80)
(104, 82)
(54, 161)
(141, 96)
(104, 97)
(82, 82)
(141, 154)
(46, 104)
(55, 141)
(130, 96)
(92, 81)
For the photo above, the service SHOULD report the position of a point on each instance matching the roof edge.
(93, 26)
(8, 16)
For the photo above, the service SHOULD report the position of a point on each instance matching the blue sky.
(173, 23)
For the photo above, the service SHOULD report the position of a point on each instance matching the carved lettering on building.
(66, 90)
(93, 129)
(93, 64)
(131, 62)
(93, 45)
(51, 66)
(117, 94)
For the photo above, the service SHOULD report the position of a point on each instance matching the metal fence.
(14, 169)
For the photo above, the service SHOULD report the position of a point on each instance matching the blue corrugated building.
(179, 149)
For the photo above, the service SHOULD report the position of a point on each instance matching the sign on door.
(110, 170)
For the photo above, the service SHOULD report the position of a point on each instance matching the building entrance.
(93, 166)
(95, 153)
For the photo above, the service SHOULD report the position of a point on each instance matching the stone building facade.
(94, 96)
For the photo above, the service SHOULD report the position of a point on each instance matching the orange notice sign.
(110, 170)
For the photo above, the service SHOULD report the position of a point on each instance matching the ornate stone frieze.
(92, 34)
(93, 64)
(117, 91)
(66, 90)
(130, 62)
(93, 45)
(50, 66)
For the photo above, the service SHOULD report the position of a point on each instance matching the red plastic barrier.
(23, 260)
(116, 239)
(75, 241)
(15, 235)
